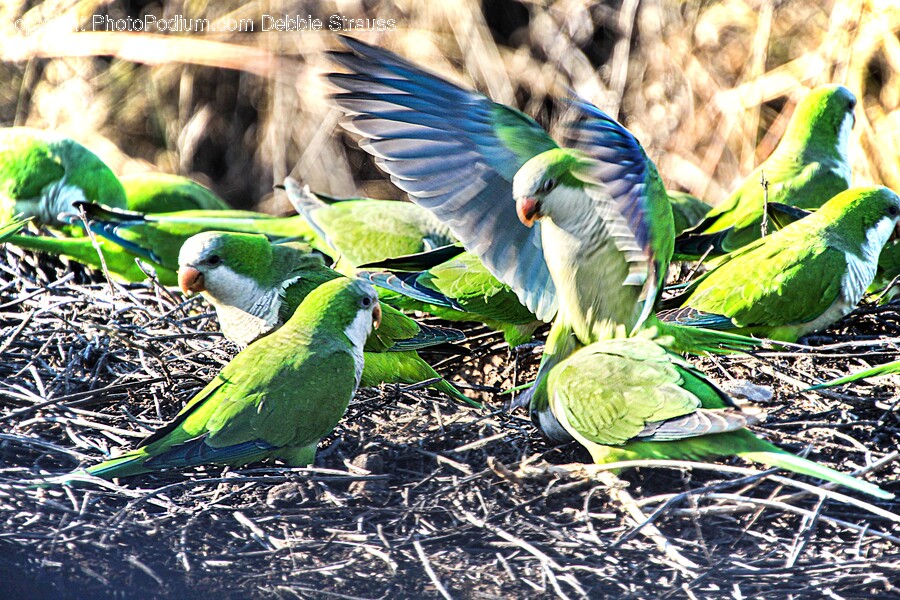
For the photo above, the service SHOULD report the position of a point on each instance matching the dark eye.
(548, 185)
(366, 302)
(852, 104)
(214, 260)
(893, 210)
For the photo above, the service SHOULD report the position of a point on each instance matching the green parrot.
(687, 210)
(275, 399)
(255, 286)
(606, 221)
(42, 174)
(876, 371)
(800, 279)
(354, 231)
(164, 193)
(888, 261)
(630, 399)
(385, 234)
(809, 166)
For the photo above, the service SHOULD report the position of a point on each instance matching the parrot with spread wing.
(42, 175)
(255, 286)
(465, 158)
(630, 399)
(808, 167)
(800, 279)
(275, 399)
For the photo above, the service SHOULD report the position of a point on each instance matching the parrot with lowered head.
(809, 166)
(800, 279)
(42, 175)
(255, 286)
(275, 399)
(630, 399)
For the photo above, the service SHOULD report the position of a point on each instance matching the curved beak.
(528, 210)
(376, 315)
(190, 280)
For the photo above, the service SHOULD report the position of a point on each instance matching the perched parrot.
(255, 286)
(275, 399)
(876, 371)
(687, 210)
(630, 399)
(164, 193)
(606, 223)
(384, 234)
(799, 279)
(808, 167)
(42, 174)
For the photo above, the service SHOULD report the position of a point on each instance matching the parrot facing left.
(42, 175)
(255, 286)
(275, 399)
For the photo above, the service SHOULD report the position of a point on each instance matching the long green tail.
(126, 465)
(885, 369)
(742, 443)
(698, 340)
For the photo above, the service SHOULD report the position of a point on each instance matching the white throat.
(358, 332)
(246, 309)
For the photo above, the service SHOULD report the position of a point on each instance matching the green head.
(867, 215)
(536, 185)
(823, 119)
(343, 305)
(236, 268)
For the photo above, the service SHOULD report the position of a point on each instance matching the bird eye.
(893, 211)
(548, 185)
(852, 104)
(214, 260)
(366, 302)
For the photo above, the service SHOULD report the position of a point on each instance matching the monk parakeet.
(164, 193)
(801, 278)
(687, 210)
(465, 158)
(275, 399)
(808, 167)
(454, 285)
(630, 399)
(43, 173)
(255, 286)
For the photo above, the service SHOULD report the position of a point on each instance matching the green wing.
(766, 288)
(455, 152)
(163, 193)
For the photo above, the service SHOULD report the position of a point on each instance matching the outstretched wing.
(455, 152)
(629, 197)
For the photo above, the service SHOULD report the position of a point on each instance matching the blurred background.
(707, 87)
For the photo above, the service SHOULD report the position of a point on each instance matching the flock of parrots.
(507, 227)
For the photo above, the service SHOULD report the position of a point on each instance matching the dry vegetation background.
(421, 497)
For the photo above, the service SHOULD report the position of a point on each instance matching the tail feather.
(885, 369)
(698, 340)
(428, 337)
(407, 285)
(126, 465)
(421, 261)
(690, 245)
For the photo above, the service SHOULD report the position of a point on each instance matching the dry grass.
(414, 494)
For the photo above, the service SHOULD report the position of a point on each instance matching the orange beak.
(376, 315)
(190, 280)
(528, 210)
